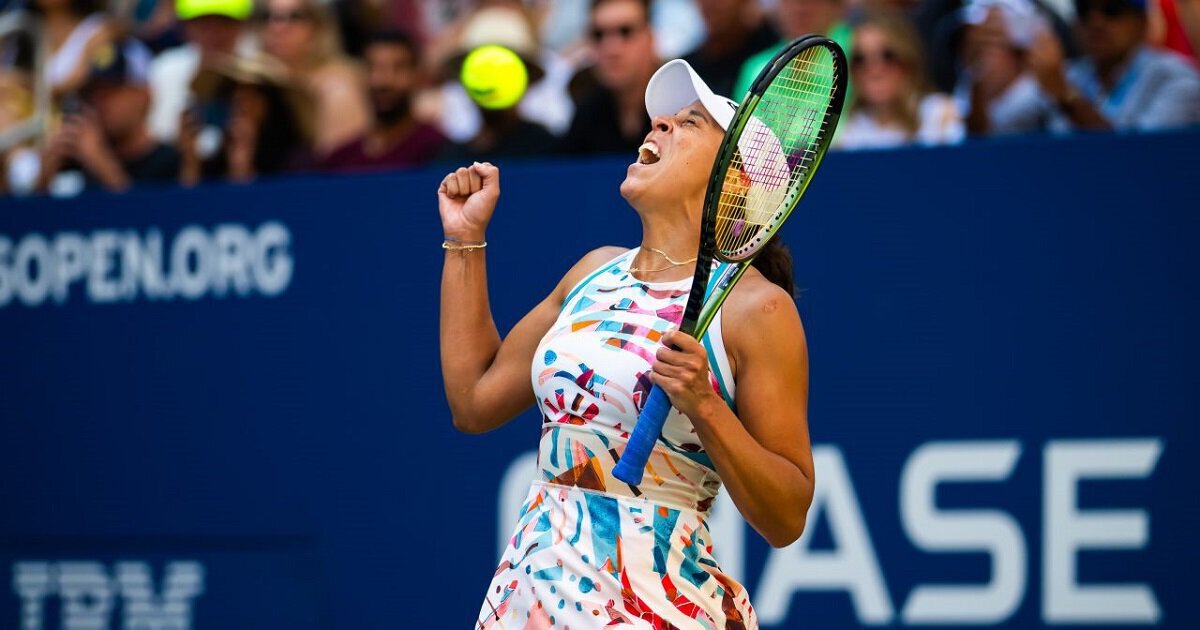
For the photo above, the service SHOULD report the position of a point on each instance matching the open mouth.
(648, 153)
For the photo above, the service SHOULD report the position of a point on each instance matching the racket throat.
(717, 292)
(696, 299)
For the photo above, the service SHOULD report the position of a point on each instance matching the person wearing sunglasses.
(891, 105)
(1120, 83)
(303, 35)
(610, 115)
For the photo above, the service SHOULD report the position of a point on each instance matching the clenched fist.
(466, 200)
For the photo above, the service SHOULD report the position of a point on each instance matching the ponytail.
(774, 262)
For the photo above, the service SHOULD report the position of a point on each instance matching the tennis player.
(590, 550)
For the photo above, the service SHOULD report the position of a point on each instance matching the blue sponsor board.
(224, 405)
(164, 582)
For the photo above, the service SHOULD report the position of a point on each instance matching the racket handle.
(645, 433)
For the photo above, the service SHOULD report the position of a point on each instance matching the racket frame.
(702, 307)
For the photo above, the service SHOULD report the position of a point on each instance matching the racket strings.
(776, 152)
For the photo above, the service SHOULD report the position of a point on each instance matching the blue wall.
(263, 419)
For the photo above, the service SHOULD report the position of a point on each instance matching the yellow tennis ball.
(494, 76)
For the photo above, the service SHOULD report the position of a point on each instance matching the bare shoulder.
(590, 262)
(771, 309)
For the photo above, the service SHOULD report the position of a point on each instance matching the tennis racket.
(770, 153)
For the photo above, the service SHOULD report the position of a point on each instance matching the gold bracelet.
(460, 246)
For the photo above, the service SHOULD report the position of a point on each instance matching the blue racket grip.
(645, 433)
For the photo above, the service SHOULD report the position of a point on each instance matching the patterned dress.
(590, 551)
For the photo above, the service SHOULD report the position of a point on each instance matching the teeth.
(648, 153)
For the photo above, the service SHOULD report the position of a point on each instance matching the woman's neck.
(668, 250)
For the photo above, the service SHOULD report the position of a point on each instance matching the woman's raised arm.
(486, 378)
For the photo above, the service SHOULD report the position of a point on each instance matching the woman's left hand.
(683, 374)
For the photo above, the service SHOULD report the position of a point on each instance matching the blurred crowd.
(179, 92)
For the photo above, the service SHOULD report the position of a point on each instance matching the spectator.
(611, 117)
(1120, 83)
(213, 31)
(891, 105)
(1175, 25)
(396, 139)
(677, 26)
(736, 31)
(74, 31)
(504, 23)
(795, 18)
(356, 21)
(264, 133)
(106, 134)
(995, 88)
(303, 35)
(503, 133)
(152, 22)
(359, 20)
(940, 25)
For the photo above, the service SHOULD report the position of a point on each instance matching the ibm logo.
(87, 594)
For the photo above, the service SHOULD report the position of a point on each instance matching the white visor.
(676, 86)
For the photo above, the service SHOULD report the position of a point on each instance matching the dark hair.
(82, 8)
(396, 38)
(280, 146)
(279, 138)
(1111, 8)
(774, 262)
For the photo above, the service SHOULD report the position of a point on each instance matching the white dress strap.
(718, 358)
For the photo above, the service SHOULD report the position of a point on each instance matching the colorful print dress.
(590, 551)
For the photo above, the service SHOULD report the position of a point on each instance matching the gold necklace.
(674, 263)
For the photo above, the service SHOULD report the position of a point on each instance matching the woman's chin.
(635, 181)
(628, 190)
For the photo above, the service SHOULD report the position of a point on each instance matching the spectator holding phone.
(266, 129)
(214, 30)
(996, 88)
(104, 132)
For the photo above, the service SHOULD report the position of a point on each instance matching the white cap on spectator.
(676, 85)
(1021, 18)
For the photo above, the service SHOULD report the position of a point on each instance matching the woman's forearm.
(469, 338)
(772, 493)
